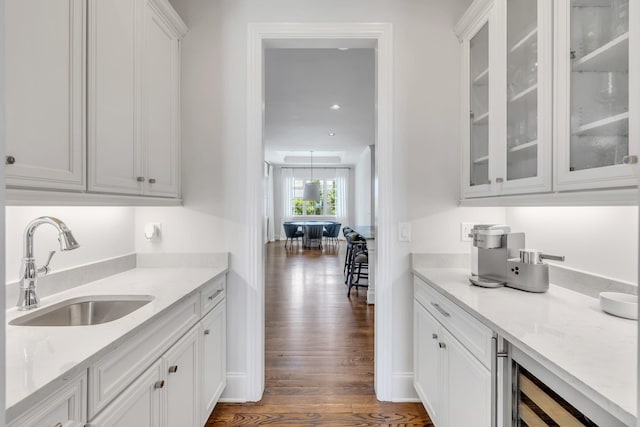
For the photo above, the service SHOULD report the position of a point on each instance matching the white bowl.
(618, 304)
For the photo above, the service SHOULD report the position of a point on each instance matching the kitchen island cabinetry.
(453, 384)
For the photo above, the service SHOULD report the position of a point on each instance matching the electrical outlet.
(465, 230)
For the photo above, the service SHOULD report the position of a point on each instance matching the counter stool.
(359, 261)
(353, 238)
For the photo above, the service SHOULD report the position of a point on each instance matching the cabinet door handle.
(207, 331)
(499, 180)
(442, 345)
(630, 160)
(434, 336)
(152, 180)
(440, 309)
(159, 384)
(173, 369)
(212, 297)
(10, 160)
(58, 425)
(140, 179)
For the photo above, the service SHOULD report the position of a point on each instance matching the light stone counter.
(563, 330)
(39, 359)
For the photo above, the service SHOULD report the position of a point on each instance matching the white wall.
(103, 233)
(426, 66)
(600, 240)
(362, 189)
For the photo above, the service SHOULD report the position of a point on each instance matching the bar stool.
(359, 261)
(353, 238)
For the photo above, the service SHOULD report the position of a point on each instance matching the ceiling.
(300, 87)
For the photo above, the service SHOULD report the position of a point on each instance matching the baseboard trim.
(402, 388)
(236, 389)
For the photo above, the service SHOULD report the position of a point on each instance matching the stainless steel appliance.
(504, 260)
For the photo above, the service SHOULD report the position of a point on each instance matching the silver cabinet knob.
(140, 179)
(159, 384)
(499, 180)
(442, 345)
(10, 160)
(152, 180)
(434, 336)
(630, 160)
(58, 425)
(173, 369)
(207, 331)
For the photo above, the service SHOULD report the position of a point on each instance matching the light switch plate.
(404, 232)
(465, 229)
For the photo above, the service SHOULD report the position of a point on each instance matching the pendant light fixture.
(311, 188)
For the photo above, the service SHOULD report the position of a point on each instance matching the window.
(326, 206)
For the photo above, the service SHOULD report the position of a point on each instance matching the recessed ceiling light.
(335, 107)
(343, 48)
(332, 134)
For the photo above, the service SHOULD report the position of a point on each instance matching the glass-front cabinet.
(595, 115)
(546, 105)
(507, 79)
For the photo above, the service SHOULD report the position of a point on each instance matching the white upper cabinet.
(596, 131)
(506, 79)
(548, 116)
(133, 107)
(45, 90)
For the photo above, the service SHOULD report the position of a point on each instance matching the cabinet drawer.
(472, 334)
(212, 293)
(115, 371)
(64, 408)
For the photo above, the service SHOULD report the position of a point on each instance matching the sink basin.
(619, 304)
(83, 311)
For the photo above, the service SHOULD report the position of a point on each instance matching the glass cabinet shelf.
(482, 119)
(530, 91)
(482, 79)
(530, 36)
(613, 56)
(615, 125)
(524, 146)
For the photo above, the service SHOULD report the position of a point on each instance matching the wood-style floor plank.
(318, 350)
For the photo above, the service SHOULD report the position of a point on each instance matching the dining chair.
(292, 233)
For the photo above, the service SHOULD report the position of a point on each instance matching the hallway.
(319, 350)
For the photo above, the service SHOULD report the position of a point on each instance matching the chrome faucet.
(28, 299)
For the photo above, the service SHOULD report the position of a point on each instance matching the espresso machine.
(500, 258)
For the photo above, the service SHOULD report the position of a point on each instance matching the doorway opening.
(330, 36)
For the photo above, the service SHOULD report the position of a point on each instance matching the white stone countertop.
(563, 330)
(39, 358)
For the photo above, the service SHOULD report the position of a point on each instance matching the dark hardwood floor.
(319, 350)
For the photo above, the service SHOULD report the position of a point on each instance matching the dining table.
(312, 228)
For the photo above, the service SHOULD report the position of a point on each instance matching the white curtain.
(342, 196)
(270, 207)
(287, 179)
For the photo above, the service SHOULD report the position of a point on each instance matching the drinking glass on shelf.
(593, 28)
(608, 92)
(619, 17)
(531, 75)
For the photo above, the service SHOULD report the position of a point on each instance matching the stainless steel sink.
(82, 311)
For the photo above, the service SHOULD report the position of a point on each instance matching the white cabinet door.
(114, 111)
(427, 363)
(468, 386)
(160, 106)
(44, 100)
(596, 87)
(139, 405)
(66, 407)
(214, 358)
(183, 381)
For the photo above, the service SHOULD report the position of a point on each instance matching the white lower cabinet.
(67, 407)
(183, 381)
(453, 383)
(214, 358)
(139, 405)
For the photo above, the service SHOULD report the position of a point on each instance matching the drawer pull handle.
(207, 331)
(434, 336)
(442, 345)
(58, 425)
(140, 179)
(159, 384)
(440, 309)
(173, 369)
(152, 180)
(218, 292)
